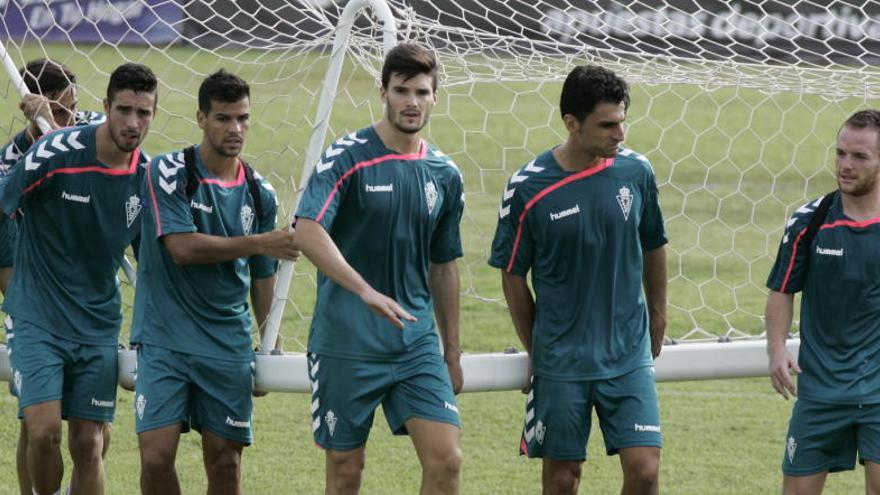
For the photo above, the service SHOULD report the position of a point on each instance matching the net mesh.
(736, 104)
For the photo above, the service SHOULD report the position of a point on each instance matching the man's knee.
(86, 444)
(344, 468)
(562, 477)
(224, 464)
(44, 435)
(157, 459)
(444, 464)
(643, 472)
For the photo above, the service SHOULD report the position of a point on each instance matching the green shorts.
(346, 392)
(47, 368)
(558, 415)
(827, 437)
(206, 394)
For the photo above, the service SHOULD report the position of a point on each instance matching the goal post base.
(486, 372)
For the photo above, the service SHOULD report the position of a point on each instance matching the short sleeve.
(790, 268)
(166, 190)
(25, 178)
(513, 244)
(265, 266)
(652, 233)
(446, 240)
(324, 192)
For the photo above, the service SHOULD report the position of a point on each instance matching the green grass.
(731, 164)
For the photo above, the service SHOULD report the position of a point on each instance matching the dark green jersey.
(78, 218)
(9, 155)
(198, 309)
(391, 215)
(839, 277)
(582, 234)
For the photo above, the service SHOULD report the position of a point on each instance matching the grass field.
(731, 163)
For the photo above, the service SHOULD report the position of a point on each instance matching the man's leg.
(24, 481)
(560, 477)
(44, 463)
(344, 469)
(872, 478)
(86, 444)
(158, 451)
(438, 446)
(641, 470)
(803, 485)
(222, 464)
(106, 428)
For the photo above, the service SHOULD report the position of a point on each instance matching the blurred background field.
(732, 164)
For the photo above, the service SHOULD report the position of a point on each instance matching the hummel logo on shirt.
(829, 252)
(564, 213)
(200, 206)
(76, 197)
(385, 188)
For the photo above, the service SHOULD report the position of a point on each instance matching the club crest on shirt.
(430, 196)
(330, 419)
(625, 200)
(132, 209)
(247, 219)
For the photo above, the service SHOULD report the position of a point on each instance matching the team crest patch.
(625, 200)
(140, 405)
(330, 419)
(430, 196)
(540, 430)
(16, 381)
(132, 209)
(790, 448)
(247, 219)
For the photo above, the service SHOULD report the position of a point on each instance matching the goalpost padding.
(501, 371)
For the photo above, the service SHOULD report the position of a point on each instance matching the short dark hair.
(589, 85)
(46, 77)
(136, 77)
(224, 87)
(409, 60)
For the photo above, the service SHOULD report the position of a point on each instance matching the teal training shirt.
(78, 218)
(198, 309)
(9, 155)
(581, 235)
(391, 215)
(838, 276)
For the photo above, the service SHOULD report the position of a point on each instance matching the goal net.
(736, 103)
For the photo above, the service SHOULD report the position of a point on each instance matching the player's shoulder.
(632, 160)
(12, 151)
(267, 191)
(167, 165)
(88, 117)
(802, 215)
(60, 146)
(536, 175)
(441, 162)
(348, 150)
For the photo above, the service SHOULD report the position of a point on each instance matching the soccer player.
(78, 190)
(837, 413)
(208, 239)
(54, 98)
(584, 218)
(380, 220)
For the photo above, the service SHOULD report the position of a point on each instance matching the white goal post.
(499, 371)
(735, 103)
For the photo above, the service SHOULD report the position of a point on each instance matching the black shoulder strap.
(192, 182)
(817, 219)
(189, 161)
(254, 188)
